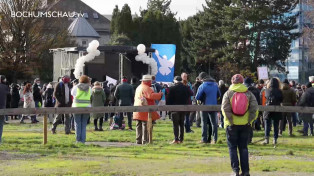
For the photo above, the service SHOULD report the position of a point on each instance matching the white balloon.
(97, 52)
(141, 49)
(80, 62)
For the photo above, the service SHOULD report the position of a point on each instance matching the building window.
(95, 15)
(86, 15)
(84, 42)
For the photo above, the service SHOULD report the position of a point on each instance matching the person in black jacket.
(15, 97)
(274, 97)
(4, 91)
(307, 99)
(248, 82)
(223, 89)
(49, 100)
(179, 94)
(62, 94)
(37, 95)
(195, 115)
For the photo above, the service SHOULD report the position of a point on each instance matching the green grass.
(22, 153)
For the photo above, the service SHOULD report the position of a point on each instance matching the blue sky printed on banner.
(165, 61)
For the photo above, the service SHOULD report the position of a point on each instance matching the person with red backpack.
(240, 109)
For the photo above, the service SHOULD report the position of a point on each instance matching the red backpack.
(239, 103)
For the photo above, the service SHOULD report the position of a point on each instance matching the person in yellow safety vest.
(82, 99)
(311, 79)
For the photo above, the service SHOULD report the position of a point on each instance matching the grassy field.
(22, 153)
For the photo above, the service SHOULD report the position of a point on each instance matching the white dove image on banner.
(165, 58)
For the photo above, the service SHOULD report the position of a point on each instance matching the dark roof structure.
(81, 28)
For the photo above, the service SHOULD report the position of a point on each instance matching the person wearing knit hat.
(237, 79)
(238, 122)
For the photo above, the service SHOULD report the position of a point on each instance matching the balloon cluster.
(142, 56)
(80, 62)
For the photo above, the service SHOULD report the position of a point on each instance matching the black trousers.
(178, 125)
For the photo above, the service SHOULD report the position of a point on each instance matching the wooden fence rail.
(114, 109)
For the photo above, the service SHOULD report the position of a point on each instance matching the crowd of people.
(239, 113)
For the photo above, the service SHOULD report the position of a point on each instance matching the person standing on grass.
(185, 82)
(37, 95)
(273, 95)
(307, 99)
(4, 91)
(124, 93)
(28, 102)
(249, 83)
(195, 115)
(179, 94)
(223, 89)
(49, 100)
(289, 99)
(240, 109)
(81, 99)
(98, 99)
(208, 93)
(62, 94)
(15, 98)
(144, 96)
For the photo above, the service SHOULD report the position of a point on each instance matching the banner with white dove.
(165, 57)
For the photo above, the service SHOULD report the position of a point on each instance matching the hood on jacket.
(274, 83)
(238, 88)
(285, 86)
(97, 89)
(209, 79)
(83, 86)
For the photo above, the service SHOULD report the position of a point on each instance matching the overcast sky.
(184, 8)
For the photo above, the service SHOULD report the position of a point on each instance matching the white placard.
(262, 72)
(111, 80)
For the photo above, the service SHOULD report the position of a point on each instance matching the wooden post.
(150, 128)
(45, 129)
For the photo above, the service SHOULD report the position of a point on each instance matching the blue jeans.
(80, 127)
(268, 127)
(187, 123)
(1, 126)
(222, 120)
(237, 138)
(308, 123)
(209, 120)
(294, 118)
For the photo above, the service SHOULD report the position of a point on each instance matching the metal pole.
(45, 129)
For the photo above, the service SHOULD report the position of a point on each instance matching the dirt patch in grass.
(16, 156)
(112, 144)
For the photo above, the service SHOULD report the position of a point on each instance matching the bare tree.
(24, 41)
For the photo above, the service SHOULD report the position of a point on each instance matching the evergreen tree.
(260, 31)
(114, 20)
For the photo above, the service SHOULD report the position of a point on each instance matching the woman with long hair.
(28, 102)
(274, 97)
